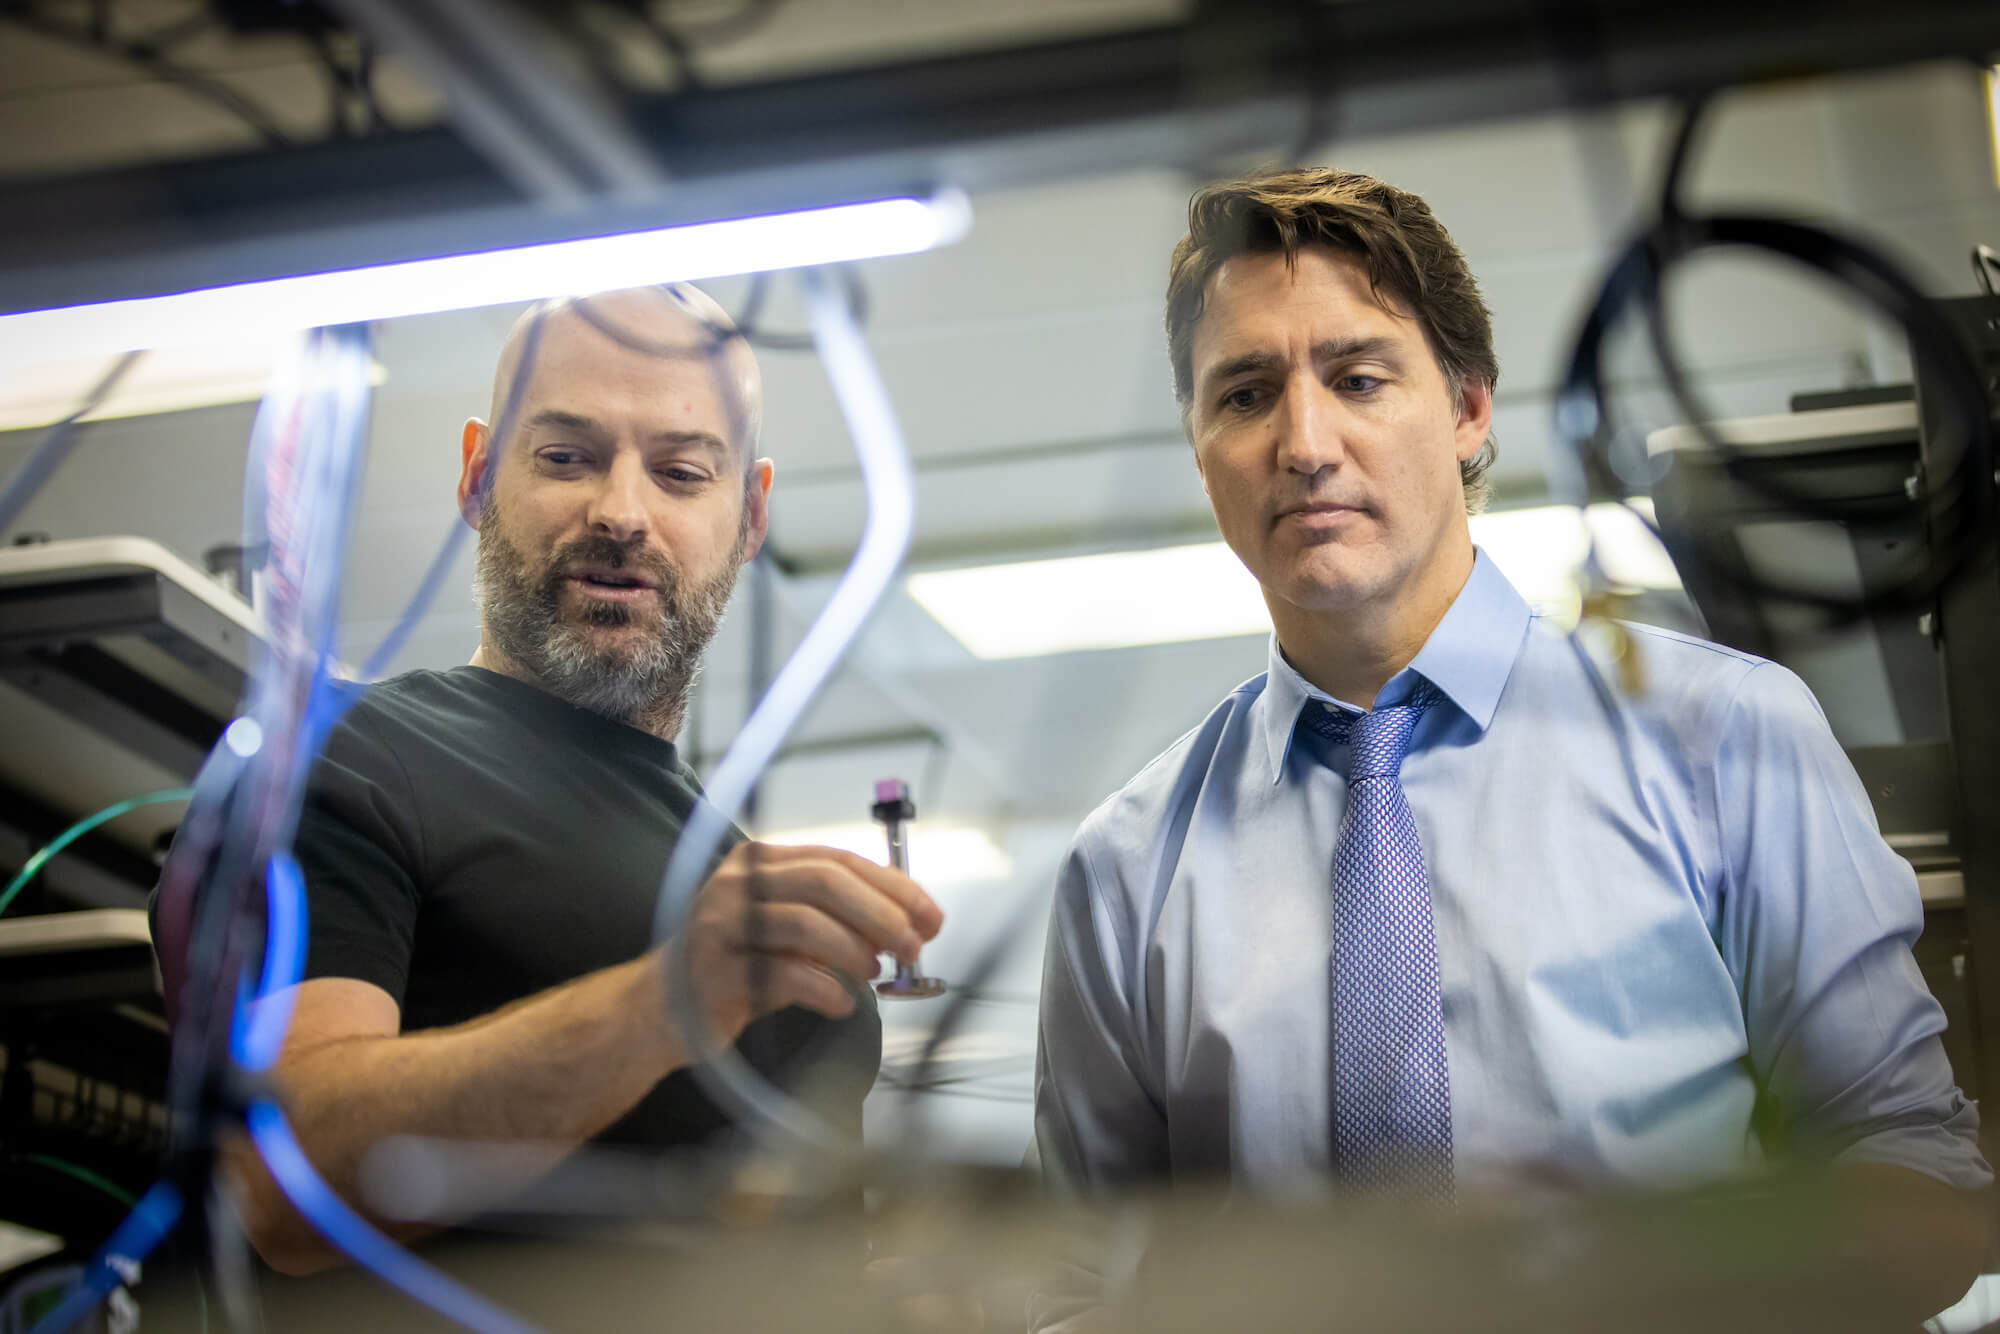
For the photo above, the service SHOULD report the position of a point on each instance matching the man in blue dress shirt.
(1565, 932)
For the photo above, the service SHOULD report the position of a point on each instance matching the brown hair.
(1411, 261)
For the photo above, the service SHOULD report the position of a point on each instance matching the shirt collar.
(1468, 657)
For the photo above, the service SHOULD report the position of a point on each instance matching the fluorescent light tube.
(1540, 549)
(1120, 599)
(456, 282)
(171, 380)
(1992, 78)
(1127, 599)
(940, 855)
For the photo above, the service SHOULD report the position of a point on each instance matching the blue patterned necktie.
(1391, 1080)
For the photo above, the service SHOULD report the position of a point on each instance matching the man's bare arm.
(546, 1074)
(557, 1068)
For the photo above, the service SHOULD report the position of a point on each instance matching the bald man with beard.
(483, 845)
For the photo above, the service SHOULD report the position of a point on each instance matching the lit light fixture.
(1992, 77)
(1540, 549)
(488, 278)
(1127, 599)
(940, 855)
(39, 392)
(1118, 599)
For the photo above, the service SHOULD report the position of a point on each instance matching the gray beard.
(645, 680)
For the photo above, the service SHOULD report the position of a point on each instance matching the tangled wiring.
(232, 899)
(1954, 503)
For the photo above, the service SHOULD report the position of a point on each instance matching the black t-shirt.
(468, 840)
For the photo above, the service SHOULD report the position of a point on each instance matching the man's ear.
(472, 471)
(1475, 418)
(757, 495)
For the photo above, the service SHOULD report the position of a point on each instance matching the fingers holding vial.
(776, 926)
(894, 809)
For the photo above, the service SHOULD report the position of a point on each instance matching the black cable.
(912, 1131)
(676, 46)
(336, 81)
(350, 84)
(147, 54)
(753, 309)
(719, 336)
(1955, 505)
(707, 348)
(56, 443)
(680, 41)
(752, 17)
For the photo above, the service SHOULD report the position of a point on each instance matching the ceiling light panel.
(1129, 599)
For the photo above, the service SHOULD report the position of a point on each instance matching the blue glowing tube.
(885, 538)
(117, 1260)
(258, 1030)
(261, 1034)
(318, 1204)
(454, 541)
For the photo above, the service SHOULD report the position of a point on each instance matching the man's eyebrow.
(1330, 349)
(564, 421)
(1242, 365)
(707, 440)
(1357, 349)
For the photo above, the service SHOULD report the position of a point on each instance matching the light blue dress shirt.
(1649, 908)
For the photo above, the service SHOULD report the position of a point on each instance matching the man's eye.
(1358, 384)
(561, 458)
(1242, 398)
(683, 476)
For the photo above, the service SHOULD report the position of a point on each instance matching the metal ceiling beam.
(1176, 95)
(539, 120)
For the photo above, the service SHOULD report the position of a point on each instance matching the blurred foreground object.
(1774, 1255)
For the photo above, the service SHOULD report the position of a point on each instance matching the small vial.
(894, 809)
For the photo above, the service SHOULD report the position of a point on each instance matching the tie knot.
(1379, 738)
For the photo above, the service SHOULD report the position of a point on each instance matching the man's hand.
(774, 925)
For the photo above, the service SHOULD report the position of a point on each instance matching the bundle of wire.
(885, 538)
(228, 1029)
(767, 1111)
(1955, 502)
(301, 481)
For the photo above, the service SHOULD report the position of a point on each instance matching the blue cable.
(362, 1243)
(890, 490)
(260, 1018)
(284, 962)
(117, 1260)
(257, 1030)
(385, 652)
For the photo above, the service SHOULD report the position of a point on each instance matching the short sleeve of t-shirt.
(360, 846)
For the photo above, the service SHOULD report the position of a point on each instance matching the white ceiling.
(1028, 367)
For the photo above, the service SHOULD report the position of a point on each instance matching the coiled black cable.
(1955, 502)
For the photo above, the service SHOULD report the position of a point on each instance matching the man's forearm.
(544, 1074)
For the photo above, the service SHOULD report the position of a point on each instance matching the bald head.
(679, 324)
(615, 512)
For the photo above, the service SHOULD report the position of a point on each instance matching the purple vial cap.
(891, 789)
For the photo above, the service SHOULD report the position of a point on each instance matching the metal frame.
(47, 650)
(1967, 627)
(1234, 79)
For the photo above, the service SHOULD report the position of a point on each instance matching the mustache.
(603, 552)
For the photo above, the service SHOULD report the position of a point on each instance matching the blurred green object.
(82, 827)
